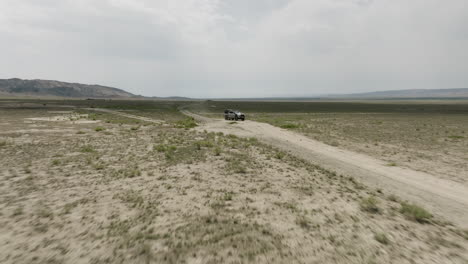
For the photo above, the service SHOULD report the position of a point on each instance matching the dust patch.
(69, 117)
(35, 130)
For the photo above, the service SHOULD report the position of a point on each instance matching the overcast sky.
(238, 48)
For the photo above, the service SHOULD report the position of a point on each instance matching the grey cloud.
(216, 48)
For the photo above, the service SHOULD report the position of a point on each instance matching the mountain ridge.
(38, 87)
(408, 93)
(52, 88)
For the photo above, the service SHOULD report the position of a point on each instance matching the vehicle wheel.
(225, 118)
(235, 118)
(243, 119)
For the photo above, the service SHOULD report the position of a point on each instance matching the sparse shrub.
(303, 222)
(42, 228)
(99, 129)
(45, 212)
(415, 213)
(239, 168)
(217, 151)
(118, 228)
(133, 173)
(280, 155)
(382, 238)
(55, 162)
(231, 136)
(99, 166)
(393, 198)
(80, 132)
(132, 197)
(87, 149)
(146, 252)
(187, 123)
(169, 155)
(288, 205)
(187, 154)
(134, 128)
(464, 234)
(392, 164)
(3, 143)
(227, 196)
(205, 143)
(165, 148)
(160, 148)
(198, 145)
(18, 211)
(253, 140)
(248, 242)
(68, 207)
(289, 126)
(370, 205)
(129, 172)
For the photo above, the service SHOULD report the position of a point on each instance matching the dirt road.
(442, 197)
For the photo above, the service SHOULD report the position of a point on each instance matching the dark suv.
(233, 115)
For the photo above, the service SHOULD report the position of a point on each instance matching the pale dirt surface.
(120, 113)
(66, 116)
(442, 196)
(164, 194)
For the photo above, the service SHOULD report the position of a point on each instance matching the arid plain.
(142, 182)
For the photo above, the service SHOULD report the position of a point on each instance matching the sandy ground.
(443, 197)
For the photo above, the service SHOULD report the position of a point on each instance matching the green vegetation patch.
(87, 149)
(165, 148)
(185, 154)
(132, 198)
(186, 123)
(219, 236)
(127, 172)
(415, 212)
(370, 205)
(290, 126)
(382, 238)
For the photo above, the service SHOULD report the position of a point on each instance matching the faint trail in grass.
(145, 119)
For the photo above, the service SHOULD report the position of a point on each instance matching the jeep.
(233, 115)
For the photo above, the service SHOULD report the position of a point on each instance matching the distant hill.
(174, 98)
(46, 88)
(413, 93)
